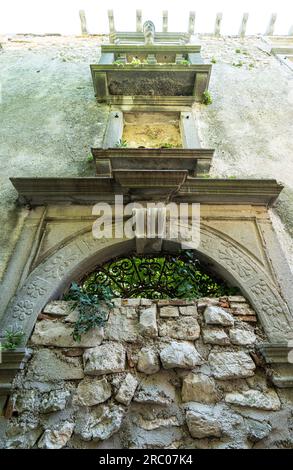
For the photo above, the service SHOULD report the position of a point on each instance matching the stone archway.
(233, 261)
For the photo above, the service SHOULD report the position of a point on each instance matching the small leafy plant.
(206, 98)
(238, 51)
(12, 339)
(121, 143)
(184, 62)
(119, 62)
(192, 283)
(89, 305)
(167, 145)
(137, 61)
(213, 60)
(90, 158)
(238, 64)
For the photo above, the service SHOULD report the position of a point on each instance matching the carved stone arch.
(254, 281)
(48, 280)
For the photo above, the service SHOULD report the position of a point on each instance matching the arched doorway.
(229, 259)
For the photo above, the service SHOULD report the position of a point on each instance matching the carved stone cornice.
(163, 84)
(196, 161)
(89, 190)
(138, 37)
(227, 191)
(150, 48)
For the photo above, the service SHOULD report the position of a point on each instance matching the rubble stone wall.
(160, 374)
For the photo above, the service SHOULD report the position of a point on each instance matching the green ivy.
(90, 306)
(166, 276)
(206, 98)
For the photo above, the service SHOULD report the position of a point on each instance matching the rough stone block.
(148, 361)
(255, 399)
(257, 430)
(127, 390)
(54, 333)
(47, 365)
(105, 359)
(169, 311)
(242, 337)
(148, 322)
(117, 302)
(130, 302)
(24, 441)
(205, 302)
(150, 425)
(218, 316)
(202, 425)
(56, 438)
(27, 400)
(146, 302)
(58, 308)
(54, 401)
(177, 302)
(92, 391)
(122, 325)
(199, 388)
(188, 310)
(99, 423)
(155, 390)
(231, 365)
(181, 355)
(215, 336)
(186, 328)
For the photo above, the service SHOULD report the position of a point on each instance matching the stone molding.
(114, 84)
(112, 160)
(38, 191)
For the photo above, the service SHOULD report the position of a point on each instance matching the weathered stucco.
(50, 118)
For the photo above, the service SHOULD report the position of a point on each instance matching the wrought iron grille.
(155, 277)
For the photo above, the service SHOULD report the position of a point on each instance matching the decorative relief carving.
(57, 266)
(235, 261)
(270, 306)
(37, 288)
(89, 244)
(23, 309)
